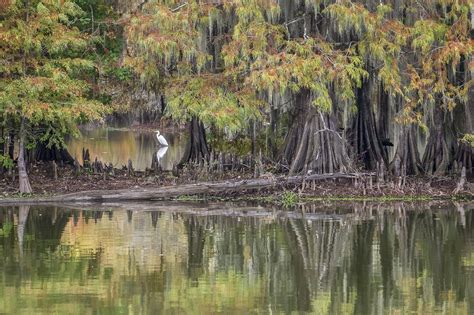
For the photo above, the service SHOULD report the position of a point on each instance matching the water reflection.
(363, 260)
(117, 146)
(160, 154)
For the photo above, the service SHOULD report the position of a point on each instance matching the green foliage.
(223, 62)
(175, 46)
(255, 57)
(6, 229)
(121, 74)
(289, 199)
(469, 139)
(212, 103)
(426, 33)
(6, 161)
(43, 78)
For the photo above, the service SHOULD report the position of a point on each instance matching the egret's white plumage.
(161, 139)
(161, 153)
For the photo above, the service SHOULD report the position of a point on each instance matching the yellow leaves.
(442, 46)
(390, 77)
(348, 74)
(469, 139)
(322, 100)
(451, 53)
(411, 115)
(353, 16)
(167, 40)
(426, 33)
(39, 76)
(381, 40)
(382, 10)
(44, 100)
(308, 65)
(312, 64)
(42, 37)
(212, 100)
(245, 44)
(42, 9)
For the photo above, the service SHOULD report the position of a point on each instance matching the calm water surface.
(204, 259)
(117, 146)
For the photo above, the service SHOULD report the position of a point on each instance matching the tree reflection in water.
(364, 259)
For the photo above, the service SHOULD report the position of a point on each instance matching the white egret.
(161, 139)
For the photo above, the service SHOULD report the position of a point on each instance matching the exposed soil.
(43, 183)
(42, 180)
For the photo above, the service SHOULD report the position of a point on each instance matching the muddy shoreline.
(267, 188)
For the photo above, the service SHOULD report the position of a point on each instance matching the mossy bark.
(314, 142)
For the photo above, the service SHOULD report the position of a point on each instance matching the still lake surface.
(177, 258)
(118, 145)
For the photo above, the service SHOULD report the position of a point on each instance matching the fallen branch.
(169, 192)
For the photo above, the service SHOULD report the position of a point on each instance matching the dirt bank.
(146, 186)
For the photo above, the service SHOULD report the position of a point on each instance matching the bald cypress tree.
(43, 92)
(362, 83)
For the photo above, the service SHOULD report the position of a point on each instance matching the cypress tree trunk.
(11, 145)
(295, 129)
(2, 146)
(272, 139)
(43, 153)
(465, 157)
(438, 156)
(2, 143)
(465, 152)
(406, 155)
(366, 137)
(313, 142)
(25, 186)
(197, 149)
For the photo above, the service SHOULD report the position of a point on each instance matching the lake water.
(117, 146)
(175, 258)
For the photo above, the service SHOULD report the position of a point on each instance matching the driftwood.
(169, 192)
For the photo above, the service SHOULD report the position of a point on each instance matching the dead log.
(204, 188)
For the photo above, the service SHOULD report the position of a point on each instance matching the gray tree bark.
(25, 186)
